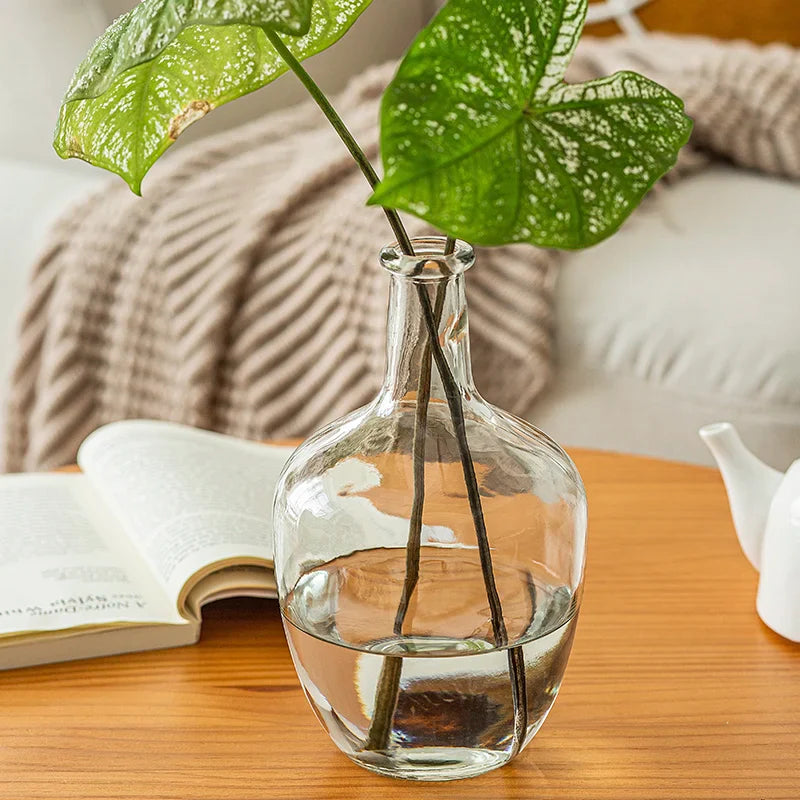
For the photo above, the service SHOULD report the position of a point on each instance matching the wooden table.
(674, 689)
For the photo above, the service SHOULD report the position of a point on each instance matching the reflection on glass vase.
(429, 551)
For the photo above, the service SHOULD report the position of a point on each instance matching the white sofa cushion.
(687, 316)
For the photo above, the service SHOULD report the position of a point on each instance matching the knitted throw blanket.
(242, 294)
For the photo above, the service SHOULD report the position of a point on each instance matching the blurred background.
(687, 316)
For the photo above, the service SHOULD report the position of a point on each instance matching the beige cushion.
(688, 315)
(35, 195)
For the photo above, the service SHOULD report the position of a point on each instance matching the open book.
(122, 557)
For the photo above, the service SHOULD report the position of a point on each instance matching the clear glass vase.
(429, 551)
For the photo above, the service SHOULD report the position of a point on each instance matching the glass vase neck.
(431, 260)
(430, 273)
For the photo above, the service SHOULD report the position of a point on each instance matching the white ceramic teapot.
(765, 505)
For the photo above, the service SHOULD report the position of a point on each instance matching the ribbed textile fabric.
(242, 294)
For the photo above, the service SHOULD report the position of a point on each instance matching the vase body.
(429, 552)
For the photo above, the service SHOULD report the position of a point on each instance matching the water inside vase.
(454, 715)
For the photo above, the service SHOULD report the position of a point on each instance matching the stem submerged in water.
(516, 660)
(388, 688)
(389, 681)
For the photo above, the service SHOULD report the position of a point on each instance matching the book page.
(187, 498)
(64, 563)
(244, 581)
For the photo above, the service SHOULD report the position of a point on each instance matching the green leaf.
(482, 138)
(167, 63)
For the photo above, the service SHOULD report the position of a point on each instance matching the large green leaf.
(167, 63)
(482, 138)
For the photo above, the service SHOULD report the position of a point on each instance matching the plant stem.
(387, 694)
(418, 460)
(473, 492)
(344, 134)
(386, 697)
(388, 687)
(516, 661)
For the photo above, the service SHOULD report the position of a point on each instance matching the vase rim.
(429, 262)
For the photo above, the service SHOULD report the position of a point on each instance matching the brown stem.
(473, 491)
(418, 503)
(344, 134)
(516, 662)
(386, 696)
(388, 689)
(418, 460)
(389, 681)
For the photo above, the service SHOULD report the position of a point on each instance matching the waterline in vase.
(454, 716)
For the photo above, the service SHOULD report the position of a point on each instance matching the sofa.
(688, 315)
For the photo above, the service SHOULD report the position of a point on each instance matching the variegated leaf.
(167, 63)
(482, 138)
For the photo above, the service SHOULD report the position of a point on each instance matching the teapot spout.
(750, 484)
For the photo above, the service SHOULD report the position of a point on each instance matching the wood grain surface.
(759, 21)
(674, 690)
